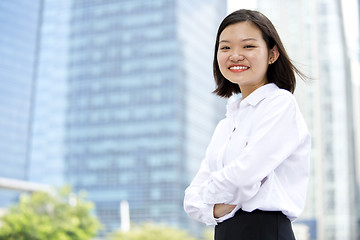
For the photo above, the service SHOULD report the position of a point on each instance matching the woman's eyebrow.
(243, 40)
(249, 39)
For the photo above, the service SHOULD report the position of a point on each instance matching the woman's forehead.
(244, 31)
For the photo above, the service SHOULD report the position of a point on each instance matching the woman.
(253, 180)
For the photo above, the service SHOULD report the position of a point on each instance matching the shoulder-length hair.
(281, 72)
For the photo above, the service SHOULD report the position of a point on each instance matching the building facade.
(111, 97)
(19, 43)
(139, 107)
(46, 162)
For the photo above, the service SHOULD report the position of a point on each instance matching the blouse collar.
(253, 99)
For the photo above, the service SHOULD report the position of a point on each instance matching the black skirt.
(256, 225)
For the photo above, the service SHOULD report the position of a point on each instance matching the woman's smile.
(238, 68)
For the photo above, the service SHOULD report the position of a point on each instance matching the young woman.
(253, 180)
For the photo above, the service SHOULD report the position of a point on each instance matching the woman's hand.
(221, 210)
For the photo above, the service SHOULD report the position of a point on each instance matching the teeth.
(238, 67)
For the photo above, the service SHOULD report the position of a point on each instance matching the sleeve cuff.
(209, 219)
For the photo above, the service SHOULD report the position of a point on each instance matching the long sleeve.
(278, 134)
(193, 204)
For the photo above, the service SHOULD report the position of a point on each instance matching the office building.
(139, 107)
(19, 42)
(46, 162)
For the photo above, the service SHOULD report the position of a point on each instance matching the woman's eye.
(225, 48)
(249, 46)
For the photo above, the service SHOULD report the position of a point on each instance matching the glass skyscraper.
(46, 163)
(19, 42)
(139, 107)
(112, 97)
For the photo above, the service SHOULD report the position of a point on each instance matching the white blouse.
(258, 158)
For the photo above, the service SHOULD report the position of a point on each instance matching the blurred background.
(113, 97)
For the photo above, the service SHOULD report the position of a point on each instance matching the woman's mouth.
(238, 68)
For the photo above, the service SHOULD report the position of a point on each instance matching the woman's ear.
(274, 55)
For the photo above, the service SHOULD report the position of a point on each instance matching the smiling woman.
(253, 180)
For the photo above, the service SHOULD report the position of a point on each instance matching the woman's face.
(243, 56)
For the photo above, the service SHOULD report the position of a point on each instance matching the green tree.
(209, 234)
(150, 231)
(60, 215)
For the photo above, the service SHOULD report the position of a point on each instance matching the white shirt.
(258, 158)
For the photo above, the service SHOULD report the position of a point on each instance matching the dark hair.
(281, 72)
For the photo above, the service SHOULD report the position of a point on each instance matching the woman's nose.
(235, 57)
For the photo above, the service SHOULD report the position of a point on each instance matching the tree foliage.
(60, 215)
(150, 231)
(209, 234)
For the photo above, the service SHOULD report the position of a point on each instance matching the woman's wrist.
(221, 210)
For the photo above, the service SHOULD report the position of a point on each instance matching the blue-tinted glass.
(122, 105)
(19, 41)
(127, 125)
